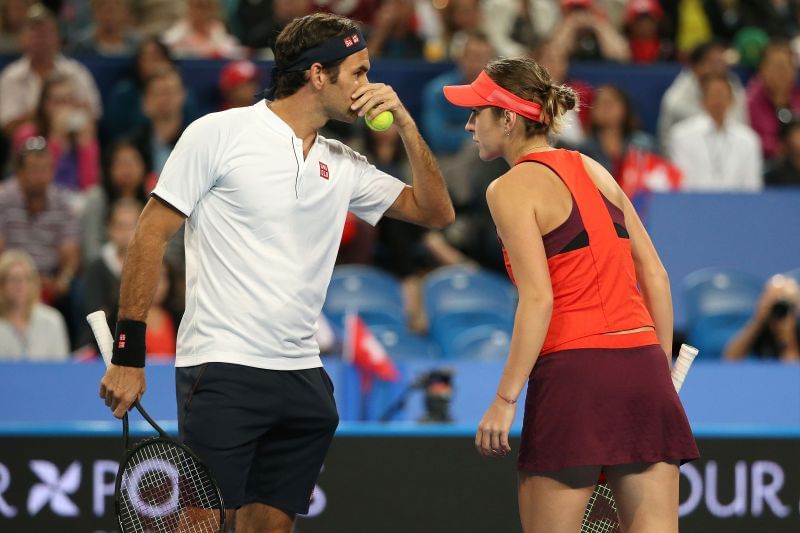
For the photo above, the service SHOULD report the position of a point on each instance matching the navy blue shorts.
(262, 433)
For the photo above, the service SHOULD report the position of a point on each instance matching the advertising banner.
(385, 484)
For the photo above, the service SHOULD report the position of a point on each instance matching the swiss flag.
(363, 350)
(644, 171)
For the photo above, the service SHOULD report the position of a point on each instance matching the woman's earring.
(508, 133)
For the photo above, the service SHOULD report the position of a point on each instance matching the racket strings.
(164, 490)
(601, 512)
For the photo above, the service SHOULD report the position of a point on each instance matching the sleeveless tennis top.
(591, 267)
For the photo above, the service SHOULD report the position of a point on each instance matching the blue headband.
(325, 53)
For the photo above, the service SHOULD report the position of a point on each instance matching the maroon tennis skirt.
(603, 406)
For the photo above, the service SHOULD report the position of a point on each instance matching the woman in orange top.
(593, 328)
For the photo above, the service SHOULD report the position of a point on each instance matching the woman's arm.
(510, 200)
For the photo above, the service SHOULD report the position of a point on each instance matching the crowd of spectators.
(76, 175)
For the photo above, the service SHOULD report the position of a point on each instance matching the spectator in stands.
(66, 123)
(460, 18)
(714, 152)
(585, 33)
(643, 28)
(35, 216)
(202, 33)
(111, 32)
(125, 178)
(12, 20)
(29, 329)
(157, 16)
(614, 130)
(442, 123)
(102, 275)
(785, 171)
(125, 113)
(163, 100)
(773, 95)
(394, 33)
(728, 18)
(260, 26)
(21, 81)
(773, 331)
(518, 26)
(238, 83)
(684, 98)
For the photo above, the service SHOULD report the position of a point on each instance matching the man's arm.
(426, 202)
(122, 385)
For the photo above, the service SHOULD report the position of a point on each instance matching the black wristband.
(129, 347)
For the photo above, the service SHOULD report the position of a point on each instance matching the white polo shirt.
(262, 234)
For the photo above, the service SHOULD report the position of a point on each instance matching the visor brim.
(464, 96)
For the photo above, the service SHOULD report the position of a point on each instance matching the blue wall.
(717, 396)
(753, 233)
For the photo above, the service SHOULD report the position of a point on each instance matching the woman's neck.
(519, 148)
(19, 316)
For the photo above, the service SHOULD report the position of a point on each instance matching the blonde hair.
(529, 80)
(9, 259)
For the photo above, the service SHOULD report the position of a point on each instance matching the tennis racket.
(601, 511)
(161, 485)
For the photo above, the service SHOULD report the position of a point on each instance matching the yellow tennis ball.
(380, 123)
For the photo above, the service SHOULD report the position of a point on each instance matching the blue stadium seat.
(376, 296)
(403, 345)
(719, 302)
(486, 343)
(459, 298)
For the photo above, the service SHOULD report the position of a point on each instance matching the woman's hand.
(492, 437)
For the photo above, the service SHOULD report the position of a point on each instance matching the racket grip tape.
(102, 334)
(681, 367)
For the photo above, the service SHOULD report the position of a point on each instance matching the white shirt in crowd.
(45, 339)
(20, 87)
(714, 159)
(684, 99)
(263, 230)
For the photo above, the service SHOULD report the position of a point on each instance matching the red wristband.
(511, 402)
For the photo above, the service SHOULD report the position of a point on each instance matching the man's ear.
(317, 75)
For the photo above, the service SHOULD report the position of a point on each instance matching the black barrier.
(378, 484)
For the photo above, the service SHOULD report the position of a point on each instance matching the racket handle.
(102, 334)
(682, 364)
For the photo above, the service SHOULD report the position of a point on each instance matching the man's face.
(164, 97)
(337, 97)
(717, 98)
(476, 54)
(35, 174)
(41, 39)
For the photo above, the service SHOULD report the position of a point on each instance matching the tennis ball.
(380, 123)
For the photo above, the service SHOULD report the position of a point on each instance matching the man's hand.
(492, 436)
(375, 98)
(121, 386)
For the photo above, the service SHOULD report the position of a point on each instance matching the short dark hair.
(301, 35)
(701, 51)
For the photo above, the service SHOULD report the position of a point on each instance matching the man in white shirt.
(21, 81)
(264, 198)
(714, 151)
(684, 97)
